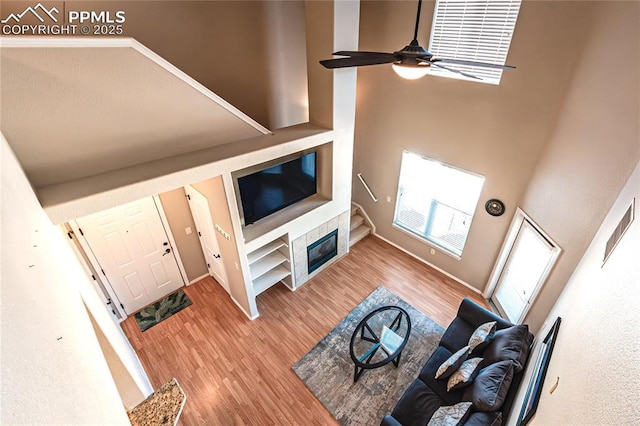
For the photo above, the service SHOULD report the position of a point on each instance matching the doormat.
(161, 310)
(327, 369)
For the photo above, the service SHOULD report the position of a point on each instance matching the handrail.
(373, 197)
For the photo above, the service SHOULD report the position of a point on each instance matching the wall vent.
(617, 234)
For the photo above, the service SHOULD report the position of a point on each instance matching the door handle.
(165, 243)
(217, 256)
(166, 252)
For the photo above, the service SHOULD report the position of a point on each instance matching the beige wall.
(496, 131)
(594, 146)
(213, 189)
(228, 46)
(319, 43)
(596, 352)
(53, 370)
(176, 208)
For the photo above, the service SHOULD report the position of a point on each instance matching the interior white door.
(529, 261)
(199, 206)
(132, 248)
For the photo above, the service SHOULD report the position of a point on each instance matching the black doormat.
(161, 310)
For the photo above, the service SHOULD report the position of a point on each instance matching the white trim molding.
(201, 277)
(516, 223)
(453, 277)
(172, 241)
(128, 42)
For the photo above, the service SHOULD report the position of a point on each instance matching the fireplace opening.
(322, 251)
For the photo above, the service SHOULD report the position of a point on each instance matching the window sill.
(427, 242)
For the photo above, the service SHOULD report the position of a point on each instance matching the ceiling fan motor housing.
(412, 52)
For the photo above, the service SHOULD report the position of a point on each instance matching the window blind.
(473, 30)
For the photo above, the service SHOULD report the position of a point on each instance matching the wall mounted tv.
(274, 188)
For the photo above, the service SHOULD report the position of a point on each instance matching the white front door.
(132, 248)
(530, 259)
(206, 232)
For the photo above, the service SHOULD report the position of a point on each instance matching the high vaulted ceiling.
(109, 104)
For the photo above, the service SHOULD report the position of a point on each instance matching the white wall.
(597, 350)
(53, 370)
(594, 146)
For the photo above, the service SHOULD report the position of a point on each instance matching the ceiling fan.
(411, 62)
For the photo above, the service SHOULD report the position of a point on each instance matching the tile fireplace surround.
(299, 246)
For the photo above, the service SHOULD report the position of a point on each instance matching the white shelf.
(263, 251)
(269, 278)
(267, 263)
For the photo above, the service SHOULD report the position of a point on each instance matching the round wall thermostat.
(494, 207)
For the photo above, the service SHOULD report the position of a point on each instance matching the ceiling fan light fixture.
(411, 71)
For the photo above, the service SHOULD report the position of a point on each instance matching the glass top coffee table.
(379, 339)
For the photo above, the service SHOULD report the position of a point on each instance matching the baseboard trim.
(198, 279)
(453, 277)
(242, 309)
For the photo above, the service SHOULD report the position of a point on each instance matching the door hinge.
(199, 234)
(208, 265)
(103, 272)
(94, 277)
(122, 306)
(81, 233)
(188, 197)
(70, 234)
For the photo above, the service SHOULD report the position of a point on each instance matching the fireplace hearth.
(321, 251)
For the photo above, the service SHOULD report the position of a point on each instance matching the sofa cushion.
(489, 389)
(484, 419)
(417, 405)
(509, 344)
(464, 375)
(451, 415)
(482, 336)
(457, 335)
(452, 363)
(427, 375)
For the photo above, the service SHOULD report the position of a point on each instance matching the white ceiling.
(72, 109)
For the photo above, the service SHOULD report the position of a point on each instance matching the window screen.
(436, 201)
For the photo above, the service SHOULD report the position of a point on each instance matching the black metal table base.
(358, 371)
(364, 332)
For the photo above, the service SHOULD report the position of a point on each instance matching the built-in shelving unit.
(270, 264)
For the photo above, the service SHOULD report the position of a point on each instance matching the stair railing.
(373, 197)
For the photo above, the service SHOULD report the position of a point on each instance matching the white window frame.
(424, 238)
(519, 217)
(473, 30)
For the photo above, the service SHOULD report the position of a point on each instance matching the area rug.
(327, 370)
(161, 310)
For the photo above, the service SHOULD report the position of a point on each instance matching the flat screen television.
(265, 192)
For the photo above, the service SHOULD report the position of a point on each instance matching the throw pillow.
(509, 344)
(484, 419)
(464, 375)
(489, 390)
(453, 363)
(452, 415)
(482, 336)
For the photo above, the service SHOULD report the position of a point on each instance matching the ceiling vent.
(617, 234)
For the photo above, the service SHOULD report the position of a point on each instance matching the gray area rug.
(327, 370)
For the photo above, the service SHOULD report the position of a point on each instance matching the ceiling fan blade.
(473, 64)
(456, 71)
(359, 61)
(358, 53)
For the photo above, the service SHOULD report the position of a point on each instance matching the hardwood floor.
(237, 371)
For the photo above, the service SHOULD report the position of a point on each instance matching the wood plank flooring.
(238, 372)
